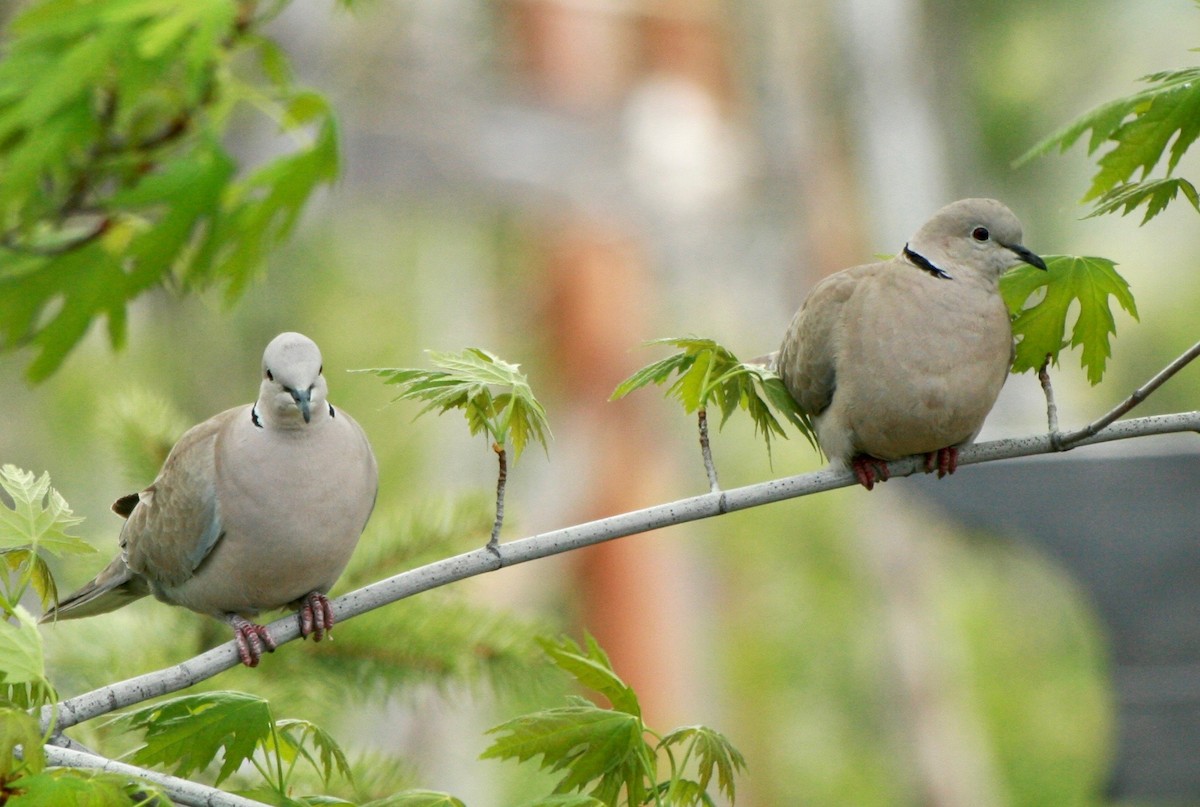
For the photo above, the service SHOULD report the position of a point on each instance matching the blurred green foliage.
(1138, 129)
(114, 177)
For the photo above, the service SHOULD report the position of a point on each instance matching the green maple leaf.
(592, 669)
(713, 754)
(39, 517)
(1041, 328)
(80, 788)
(1155, 194)
(587, 743)
(292, 738)
(186, 733)
(21, 660)
(604, 748)
(19, 728)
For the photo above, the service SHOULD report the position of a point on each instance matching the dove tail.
(113, 588)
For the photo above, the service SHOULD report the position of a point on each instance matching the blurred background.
(559, 180)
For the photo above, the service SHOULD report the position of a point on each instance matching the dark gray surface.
(1128, 529)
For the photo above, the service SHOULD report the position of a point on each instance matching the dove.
(907, 356)
(255, 509)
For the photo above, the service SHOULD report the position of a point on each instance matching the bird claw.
(252, 640)
(316, 616)
(944, 461)
(868, 470)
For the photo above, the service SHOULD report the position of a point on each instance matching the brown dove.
(907, 356)
(256, 508)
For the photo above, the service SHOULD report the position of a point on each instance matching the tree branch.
(1065, 441)
(180, 791)
(206, 665)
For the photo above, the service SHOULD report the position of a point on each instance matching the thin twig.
(180, 791)
(443, 572)
(501, 483)
(706, 451)
(1048, 390)
(1066, 440)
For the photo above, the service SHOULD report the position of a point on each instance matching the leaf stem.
(706, 451)
(1064, 441)
(281, 781)
(501, 482)
(1048, 390)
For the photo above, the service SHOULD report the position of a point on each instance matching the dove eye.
(321, 369)
(270, 376)
(980, 234)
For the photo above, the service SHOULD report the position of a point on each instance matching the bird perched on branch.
(257, 508)
(907, 356)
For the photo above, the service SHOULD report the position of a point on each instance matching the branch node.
(722, 504)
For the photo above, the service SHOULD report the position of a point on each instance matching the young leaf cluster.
(35, 523)
(1139, 128)
(705, 372)
(610, 752)
(113, 176)
(1040, 327)
(188, 733)
(466, 380)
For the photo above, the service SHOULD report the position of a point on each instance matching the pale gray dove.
(257, 508)
(907, 356)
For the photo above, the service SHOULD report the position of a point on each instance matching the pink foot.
(869, 470)
(316, 616)
(252, 640)
(944, 461)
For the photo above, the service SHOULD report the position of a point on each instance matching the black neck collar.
(257, 421)
(924, 264)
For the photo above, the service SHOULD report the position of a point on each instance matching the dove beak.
(303, 399)
(1027, 256)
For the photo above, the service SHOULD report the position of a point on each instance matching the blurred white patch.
(683, 158)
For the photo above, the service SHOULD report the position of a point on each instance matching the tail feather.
(113, 588)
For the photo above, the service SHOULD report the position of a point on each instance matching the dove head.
(977, 236)
(293, 386)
